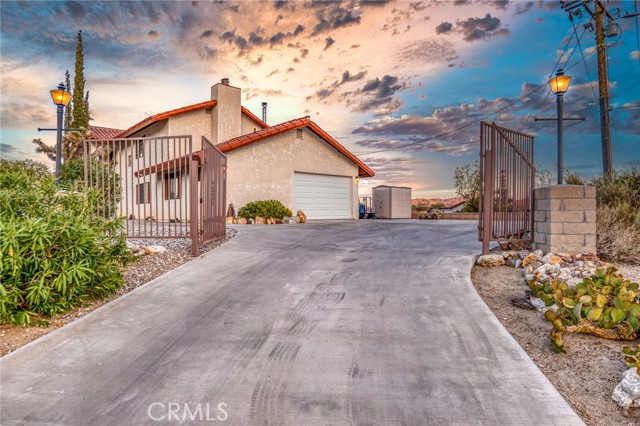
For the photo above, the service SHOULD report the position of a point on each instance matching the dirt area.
(586, 374)
(138, 273)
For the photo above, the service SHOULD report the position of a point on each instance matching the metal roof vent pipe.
(264, 112)
(225, 81)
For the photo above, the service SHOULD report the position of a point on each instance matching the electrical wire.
(595, 98)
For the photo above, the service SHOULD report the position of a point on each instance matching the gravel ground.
(592, 367)
(140, 272)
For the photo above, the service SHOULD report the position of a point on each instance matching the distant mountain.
(448, 202)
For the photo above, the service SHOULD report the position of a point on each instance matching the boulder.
(289, 220)
(259, 220)
(133, 248)
(627, 392)
(301, 217)
(230, 220)
(242, 221)
(489, 260)
(154, 249)
(510, 262)
(250, 221)
(552, 258)
(231, 211)
(529, 259)
(279, 222)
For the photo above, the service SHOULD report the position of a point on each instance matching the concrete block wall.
(565, 219)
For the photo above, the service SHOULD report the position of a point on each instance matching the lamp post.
(61, 98)
(559, 84)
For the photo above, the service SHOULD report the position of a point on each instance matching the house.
(456, 207)
(295, 162)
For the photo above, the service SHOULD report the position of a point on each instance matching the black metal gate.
(507, 183)
(213, 187)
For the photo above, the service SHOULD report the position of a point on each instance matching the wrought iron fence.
(507, 183)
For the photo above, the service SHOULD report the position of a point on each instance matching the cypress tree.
(80, 117)
(68, 111)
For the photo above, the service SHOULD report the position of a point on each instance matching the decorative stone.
(627, 392)
(259, 220)
(231, 211)
(279, 222)
(538, 303)
(528, 277)
(522, 254)
(301, 217)
(241, 221)
(154, 249)
(133, 248)
(288, 220)
(572, 282)
(528, 269)
(509, 254)
(536, 264)
(231, 220)
(552, 258)
(490, 260)
(539, 254)
(518, 264)
(510, 262)
(250, 221)
(529, 259)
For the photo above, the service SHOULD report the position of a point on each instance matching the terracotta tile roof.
(235, 143)
(98, 132)
(181, 161)
(164, 115)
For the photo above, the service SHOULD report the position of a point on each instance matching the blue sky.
(375, 75)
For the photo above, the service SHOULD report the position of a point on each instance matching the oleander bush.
(264, 208)
(55, 252)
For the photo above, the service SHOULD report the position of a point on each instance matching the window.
(140, 149)
(143, 193)
(172, 186)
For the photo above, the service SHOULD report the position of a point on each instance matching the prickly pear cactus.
(605, 305)
(632, 357)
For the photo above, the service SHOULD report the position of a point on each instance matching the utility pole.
(597, 14)
(603, 89)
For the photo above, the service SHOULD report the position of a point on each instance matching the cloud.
(429, 50)
(6, 148)
(377, 96)
(206, 34)
(523, 7)
(481, 28)
(153, 34)
(444, 27)
(334, 18)
(329, 42)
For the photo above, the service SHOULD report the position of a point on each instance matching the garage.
(323, 196)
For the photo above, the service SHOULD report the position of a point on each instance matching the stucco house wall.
(265, 169)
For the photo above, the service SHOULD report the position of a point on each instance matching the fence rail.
(507, 182)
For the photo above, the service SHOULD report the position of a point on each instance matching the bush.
(103, 178)
(55, 252)
(266, 209)
(618, 214)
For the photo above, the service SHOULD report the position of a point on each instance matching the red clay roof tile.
(98, 132)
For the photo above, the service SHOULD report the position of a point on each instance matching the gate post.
(487, 211)
(194, 226)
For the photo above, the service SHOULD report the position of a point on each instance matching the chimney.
(264, 112)
(226, 117)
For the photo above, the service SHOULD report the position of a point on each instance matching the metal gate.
(213, 186)
(156, 183)
(507, 183)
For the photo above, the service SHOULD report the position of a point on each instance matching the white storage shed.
(392, 202)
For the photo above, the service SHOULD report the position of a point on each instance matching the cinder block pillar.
(565, 219)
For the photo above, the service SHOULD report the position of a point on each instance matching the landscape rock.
(133, 248)
(552, 258)
(301, 217)
(289, 220)
(489, 260)
(241, 221)
(530, 258)
(250, 221)
(154, 249)
(259, 220)
(231, 211)
(510, 262)
(230, 220)
(627, 392)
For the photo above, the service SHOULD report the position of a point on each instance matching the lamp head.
(60, 96)
(560, 83)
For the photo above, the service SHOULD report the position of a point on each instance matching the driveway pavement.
(354, 323)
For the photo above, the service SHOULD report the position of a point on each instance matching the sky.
(375, 75)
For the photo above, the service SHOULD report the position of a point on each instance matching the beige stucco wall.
(248, 125)
(227, 114)
(265, 170)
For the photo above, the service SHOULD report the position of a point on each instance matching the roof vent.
(225, 81)
(264, 112)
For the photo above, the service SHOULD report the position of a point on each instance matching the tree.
(467, 181)
(76, 115)
(80, 101)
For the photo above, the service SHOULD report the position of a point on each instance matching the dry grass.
(618, 238)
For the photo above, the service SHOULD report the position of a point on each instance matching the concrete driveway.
(354, 323)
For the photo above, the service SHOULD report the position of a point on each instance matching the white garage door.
(322, 196)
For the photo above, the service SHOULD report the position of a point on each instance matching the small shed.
(392, 202)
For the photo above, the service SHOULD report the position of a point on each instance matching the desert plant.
(55, 252)
(632, 357)
(264, 208)
(605, 305)
(467, 182)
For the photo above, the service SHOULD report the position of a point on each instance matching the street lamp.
(60, 98)
(559, 84)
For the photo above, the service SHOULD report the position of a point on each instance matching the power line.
(595, 98)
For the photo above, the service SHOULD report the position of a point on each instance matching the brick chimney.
(226, 117)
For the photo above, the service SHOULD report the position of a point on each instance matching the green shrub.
(103, 178)
(605, 305)
(55, 252)
(264, 208)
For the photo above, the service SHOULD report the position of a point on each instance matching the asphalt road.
(354, 323)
